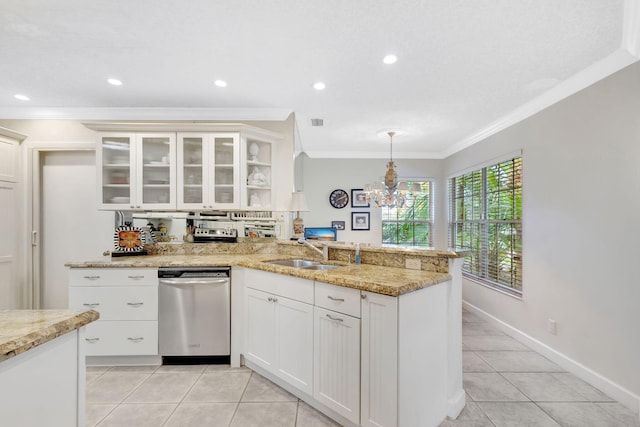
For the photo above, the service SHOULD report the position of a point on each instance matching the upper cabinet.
(209, 172)
(137, 171)
(220, 166)
(257, 173)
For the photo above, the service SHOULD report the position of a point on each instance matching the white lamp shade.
(298, 202)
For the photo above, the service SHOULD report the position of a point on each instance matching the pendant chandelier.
(392, 193)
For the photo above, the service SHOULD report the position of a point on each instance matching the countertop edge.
(38, 337)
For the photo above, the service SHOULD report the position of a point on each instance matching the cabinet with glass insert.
(137, 170)
(208, 175)
(257, 171)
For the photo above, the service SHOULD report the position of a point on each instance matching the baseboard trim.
(610, 388)
(455, 405)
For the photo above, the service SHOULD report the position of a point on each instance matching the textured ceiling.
(462, 64)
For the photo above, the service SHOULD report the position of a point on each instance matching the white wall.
(322, 176)
(581, 166)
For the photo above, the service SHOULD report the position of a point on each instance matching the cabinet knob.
(363, 296)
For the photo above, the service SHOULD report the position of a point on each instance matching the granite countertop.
(373, 278)
(22, 330)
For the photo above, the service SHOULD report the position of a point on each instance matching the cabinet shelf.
(193, 165)
(224, 166)
(252, 163)
(255, 187)
(156, 185)
(116, 166)
(153, 165)
(116, 185)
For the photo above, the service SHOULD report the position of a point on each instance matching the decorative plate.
(128, 239)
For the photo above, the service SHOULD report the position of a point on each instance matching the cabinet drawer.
(113, 338)
(280, 284)
(116, 303)
(113, 276)
(337, 298)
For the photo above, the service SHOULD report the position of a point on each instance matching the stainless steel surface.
(194, 316)
(320, 267)
(324, 251)
(298, 263)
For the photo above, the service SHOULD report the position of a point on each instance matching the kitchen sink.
(298, 263)
(321, 267)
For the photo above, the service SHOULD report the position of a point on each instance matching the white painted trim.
(12, 134)
(590, 75)
(486, 163)
(610, 388)
(96, 113)
(172, 126)
(631, 27)
(31, 179)
(374, 155)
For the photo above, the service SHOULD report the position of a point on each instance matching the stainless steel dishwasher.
(194, 314)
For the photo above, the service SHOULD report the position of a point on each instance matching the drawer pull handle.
(135, 277)
(91, 277)
(91, 304)
(335, 299)
(92, 340)
(335, 318)
(135, 339)
(135, 304)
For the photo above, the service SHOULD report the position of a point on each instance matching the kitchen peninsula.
(398, 329)
(42, 367)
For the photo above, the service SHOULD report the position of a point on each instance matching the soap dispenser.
(357, 253)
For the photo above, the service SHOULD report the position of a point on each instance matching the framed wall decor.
(338, 225)
(359, 198)
(360, 220)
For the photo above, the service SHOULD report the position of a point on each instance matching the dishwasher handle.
(193, 281)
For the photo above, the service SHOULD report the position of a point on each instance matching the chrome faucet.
(324, 252)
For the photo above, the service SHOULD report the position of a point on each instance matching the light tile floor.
(506, 383)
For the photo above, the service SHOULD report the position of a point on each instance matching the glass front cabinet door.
(116, 160)
(156, 181)
(137, 171)
(208, 177)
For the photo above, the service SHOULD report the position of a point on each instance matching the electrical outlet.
(413, 263)
(552, 328)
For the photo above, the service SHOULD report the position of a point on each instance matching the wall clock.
(339, 199)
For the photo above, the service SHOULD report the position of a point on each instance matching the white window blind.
(485, 217)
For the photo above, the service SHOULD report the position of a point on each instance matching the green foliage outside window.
(486, 219)
(412, 224)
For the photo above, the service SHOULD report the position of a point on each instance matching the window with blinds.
(412, 224)
(485, 217)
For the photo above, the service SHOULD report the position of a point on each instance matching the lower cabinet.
(279, 336)
(336, 362)
(127, 300)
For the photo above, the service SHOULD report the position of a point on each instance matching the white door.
(336, 362)
(9, 286)
(260, 329)
(71, 227)
(294, 340)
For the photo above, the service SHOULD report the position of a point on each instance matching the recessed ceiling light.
(115, 82)
(319, 86)
(22, 97)
(390, 59)
(220, 83)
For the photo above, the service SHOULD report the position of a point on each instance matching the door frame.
(32, 176)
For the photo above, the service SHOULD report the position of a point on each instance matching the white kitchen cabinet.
(279, 337)
(127, 300)
(379, 361)
(258, 174)
(208, 170)
(136, 170)
(336, 362)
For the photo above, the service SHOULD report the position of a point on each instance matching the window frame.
(430, 222)
(484, 223)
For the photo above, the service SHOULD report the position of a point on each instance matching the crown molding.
(96, 113)
(8, 133)
(590, 75)
(631, 27)
(428, 155)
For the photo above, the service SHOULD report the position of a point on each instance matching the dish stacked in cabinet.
(127, 300)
